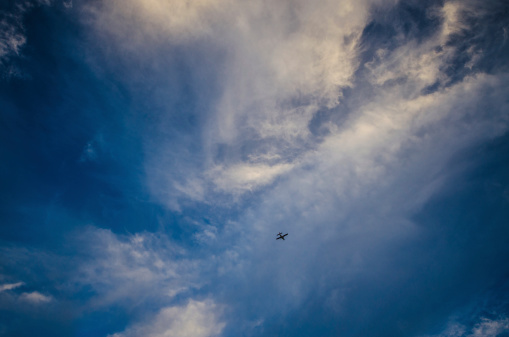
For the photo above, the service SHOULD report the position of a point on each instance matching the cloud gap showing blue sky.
(152, 149)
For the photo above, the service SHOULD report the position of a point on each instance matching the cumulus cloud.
(195, 319)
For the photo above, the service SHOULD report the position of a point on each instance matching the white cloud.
(346, 198)
(452, 18)
(276, 52)
(394, 145)
(35, 297)
(490, 328)
(357, 187)
(11, 41)
(244, 177)
(12, 37)
(12, 30)
(207, 234)
(281, 52)
(484, 328)
(127, 268)
(195, 319)
(421, 63)
(10, 286)
(352, 199)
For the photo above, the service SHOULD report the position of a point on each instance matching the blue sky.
(151, 151)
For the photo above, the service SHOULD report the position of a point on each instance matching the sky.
(151, 150)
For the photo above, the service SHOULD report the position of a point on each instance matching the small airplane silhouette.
(281, 236)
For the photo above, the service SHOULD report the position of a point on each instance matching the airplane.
(281, 236)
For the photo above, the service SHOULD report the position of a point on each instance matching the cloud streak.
(10, 286)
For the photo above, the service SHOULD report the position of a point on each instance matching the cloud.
(12, 31)
(452, 24)
(18, 301)
(195, 319)
(242, 177)
(276, 54)
(89, 153)
(398, 121)
(125, 268)
(422, 63)
(12, 37)
(93, 149)
(35, 297)
(353, 196)
(484, 328)
(392, 141)
(490, 328)
(276, 84)
(10, 286)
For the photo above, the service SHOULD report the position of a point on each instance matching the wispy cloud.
(195, 319)
(35, 297)
(286, 116)
(484, 328)
(277, 53)
(10, 286)
(488, 327)
(12, 30)
(355, 188)
(93, 149)
(125, 269)
(245, 177)
(286, 63)
(12, 37)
